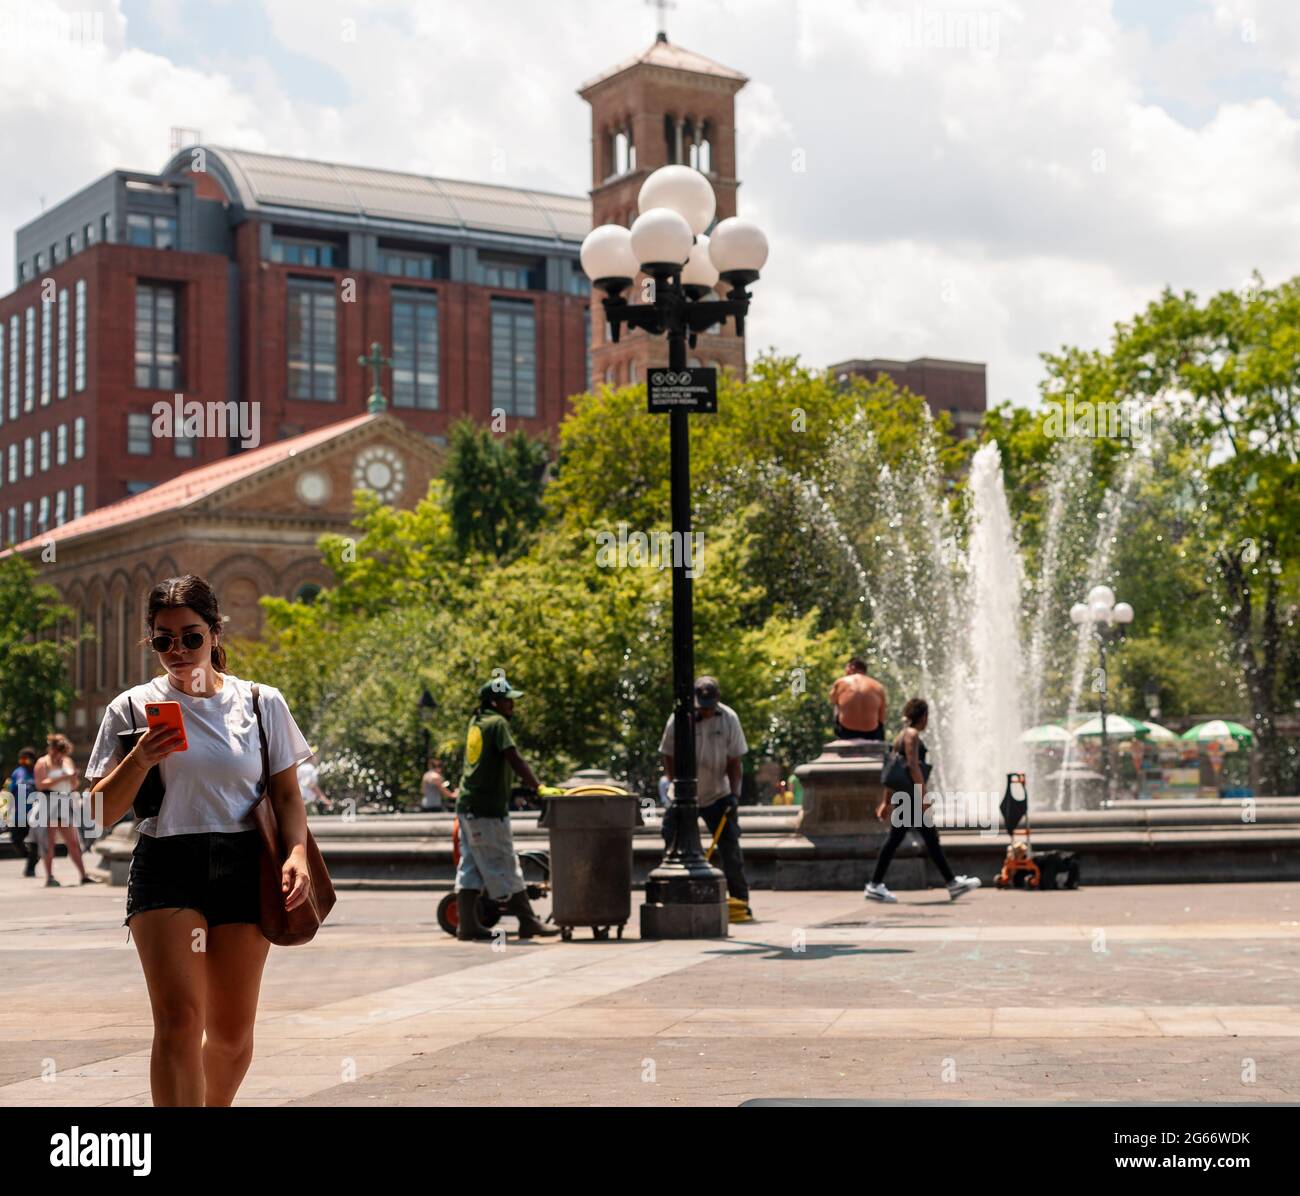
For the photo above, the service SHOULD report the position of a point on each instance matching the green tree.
(1224, 376)
(34, 658)
(494, 488)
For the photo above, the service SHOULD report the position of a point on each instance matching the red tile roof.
(191, 486)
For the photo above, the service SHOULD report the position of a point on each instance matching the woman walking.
(910, 813)
(56, 777)
(192, 904)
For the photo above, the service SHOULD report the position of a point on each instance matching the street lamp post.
(426, 707)
(685, 896)
(1099, 612)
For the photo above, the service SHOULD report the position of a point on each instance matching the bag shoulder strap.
(261, 736)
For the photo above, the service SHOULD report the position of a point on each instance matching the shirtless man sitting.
(859, 702)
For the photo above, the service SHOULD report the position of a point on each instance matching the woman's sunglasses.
(190, 641)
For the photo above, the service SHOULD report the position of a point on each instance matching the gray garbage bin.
(591, 830)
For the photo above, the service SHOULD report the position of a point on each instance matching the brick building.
(236, 277)
(957, 387)
(666, 105)
(248, 523)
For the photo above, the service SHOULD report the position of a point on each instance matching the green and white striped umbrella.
(1219, 730)
(1046, 734)
(1117, 727)
(1159, 734)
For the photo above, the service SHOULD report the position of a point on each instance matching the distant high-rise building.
(955, 387)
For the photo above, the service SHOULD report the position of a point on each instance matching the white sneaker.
(962, 884)
(878, 893)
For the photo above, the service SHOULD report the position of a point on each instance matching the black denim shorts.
(216, 873)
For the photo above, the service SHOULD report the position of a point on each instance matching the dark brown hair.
(915, 710)
(60, 742)
(194, 592)
(858, 663)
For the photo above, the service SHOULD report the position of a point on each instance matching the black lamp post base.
(685, 902)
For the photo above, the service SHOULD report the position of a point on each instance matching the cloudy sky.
(978, 181)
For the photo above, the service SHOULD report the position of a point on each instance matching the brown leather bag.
(286, 929)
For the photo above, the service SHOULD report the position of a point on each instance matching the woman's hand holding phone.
(157, 743)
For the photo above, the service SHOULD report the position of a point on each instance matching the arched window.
(307, 593)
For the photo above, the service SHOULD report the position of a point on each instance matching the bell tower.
(665, 105)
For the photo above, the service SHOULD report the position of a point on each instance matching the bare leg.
(69, 836)
(165, 940)
(236, 956)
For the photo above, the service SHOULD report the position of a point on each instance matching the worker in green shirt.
(487, 847)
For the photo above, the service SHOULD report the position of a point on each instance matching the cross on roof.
(663, 6)
(376, 361)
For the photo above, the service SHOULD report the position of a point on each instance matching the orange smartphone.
(166, 714)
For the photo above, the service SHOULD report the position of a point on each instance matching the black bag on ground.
(148, 801)
(1057, 869)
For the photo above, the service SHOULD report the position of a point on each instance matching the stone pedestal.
(841, 789)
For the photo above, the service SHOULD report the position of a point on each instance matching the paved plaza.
(1120, 993)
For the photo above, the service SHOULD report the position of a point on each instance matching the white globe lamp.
(661, 240)
(683, 190)
(739, 250)
(607, 258)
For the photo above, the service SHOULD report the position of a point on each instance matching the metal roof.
(276, 181)
(675, 58)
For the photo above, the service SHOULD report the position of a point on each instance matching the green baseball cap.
(498, 687)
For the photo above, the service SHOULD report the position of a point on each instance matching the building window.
(24, 272)
(29, 457)
(511, 274)
(415, 349)
(151, 230)
(157, 360)
(13, 524)
(88, 235)
(63, 344)
(302, 251)
(47, 351)
(105, 227)
(79, 355)
(60, 508)
(13, 462)
(61, 445)
(55, 256)
(3, 372)
(13, 366)
(27, 520)
(411, 263)
(183, 446)
(39, 261)
(79, 437)
(45, 452)
(72, 244)
(514, 357)
(29, 361)
(43, 514)
(577, 284)
(78, 501)
(137, 487)
(138, 440)
(311, 341)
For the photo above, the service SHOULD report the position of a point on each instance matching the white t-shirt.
(212, 785)
(716, 740)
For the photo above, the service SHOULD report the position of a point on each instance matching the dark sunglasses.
(190, 640)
